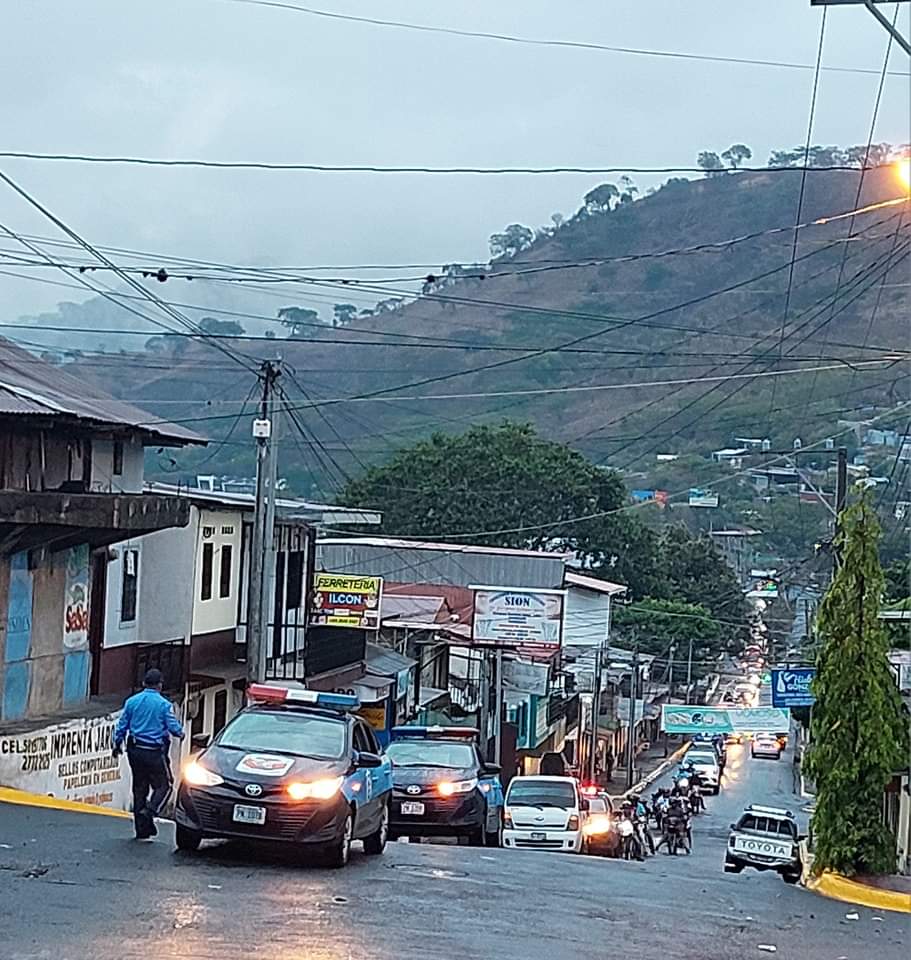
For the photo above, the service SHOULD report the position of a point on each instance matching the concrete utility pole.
(265, 430)
(631, 737)
(841, 491)
(498, 708)
(596, 712)
(689, 671)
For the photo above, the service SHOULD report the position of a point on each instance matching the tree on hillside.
(858, 732)
(297, 319)
(710, 162)
(221, 328)
(507, 486)
(601, 199)
(695, 572)
(654, 625)
(736, 154)
(513, 240)
(343, 314)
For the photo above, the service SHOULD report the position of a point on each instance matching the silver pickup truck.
(764, 838)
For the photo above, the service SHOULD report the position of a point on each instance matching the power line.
(537, 42)
(803, 185)
(384, 169)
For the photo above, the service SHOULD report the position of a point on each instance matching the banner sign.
(340, 600)
(526, 676)
(514, 618)
(680, 719)
(791, 687)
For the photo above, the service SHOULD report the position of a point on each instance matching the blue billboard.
(791, 687)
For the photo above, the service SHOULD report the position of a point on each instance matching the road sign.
(791, 687)
(680, 719)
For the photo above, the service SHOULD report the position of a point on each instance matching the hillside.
(550, 293)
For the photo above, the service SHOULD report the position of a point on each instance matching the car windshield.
(597, 805)
(431, 753)
(541, 793)
(700, 758)
(290, 733)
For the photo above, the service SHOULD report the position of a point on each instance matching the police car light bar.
(273, 693)
(428, 733)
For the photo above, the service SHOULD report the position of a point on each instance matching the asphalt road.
(74, 887)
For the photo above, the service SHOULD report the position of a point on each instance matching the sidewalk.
(878, 893)
(649, 766)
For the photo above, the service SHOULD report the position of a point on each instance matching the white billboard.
(517, 617)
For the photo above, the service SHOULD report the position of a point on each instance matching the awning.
(430, 695)
(386, 662)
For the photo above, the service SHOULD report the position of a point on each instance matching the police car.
(442, 786)
(294, 766)
(765, 838)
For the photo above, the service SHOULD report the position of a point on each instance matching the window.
(198, 723)
(361, 742)
(372, 743)
(297, 734)
(128, 586)
(117, 467)
(220, 712)
(224, 574)
(207, 554)
(295, 594)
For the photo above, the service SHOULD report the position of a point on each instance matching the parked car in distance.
(766, 745)
(602, 839)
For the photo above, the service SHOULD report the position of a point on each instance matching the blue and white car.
(294, 766)
(443, 787)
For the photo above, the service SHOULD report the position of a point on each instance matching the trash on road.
(852, 916)
(215, 886)
(767, 947)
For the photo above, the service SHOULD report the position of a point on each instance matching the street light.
(903, 167)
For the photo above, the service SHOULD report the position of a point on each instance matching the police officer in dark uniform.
(147, 723)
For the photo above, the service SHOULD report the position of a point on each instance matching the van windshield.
(541, 793)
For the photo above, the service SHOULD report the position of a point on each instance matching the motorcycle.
(676, 834)
(660, 801)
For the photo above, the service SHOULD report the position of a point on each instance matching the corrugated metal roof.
(31, 387)
(594, 583)
(386, 662)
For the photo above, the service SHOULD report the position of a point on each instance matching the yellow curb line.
(21, 797)
(836, 887)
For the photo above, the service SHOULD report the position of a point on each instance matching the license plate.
(539, 836)
(244, 814)
(412, 808)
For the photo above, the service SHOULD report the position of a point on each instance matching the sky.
(217, 79)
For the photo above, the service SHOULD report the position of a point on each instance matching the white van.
(544, 813)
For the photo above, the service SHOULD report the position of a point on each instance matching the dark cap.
(152, 678)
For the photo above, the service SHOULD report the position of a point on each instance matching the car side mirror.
(200, 741)
(367, 761)
(802, 836)
(491, 769)
(733, 826)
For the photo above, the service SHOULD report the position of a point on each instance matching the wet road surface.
(74, 887)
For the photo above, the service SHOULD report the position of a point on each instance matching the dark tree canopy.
(859, 729)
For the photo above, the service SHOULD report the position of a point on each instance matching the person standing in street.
(147, 723)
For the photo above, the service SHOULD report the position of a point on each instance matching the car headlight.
(324, 789)
(507, 820)
(597, 826)
(448, 787)
(194, 772)
(683, 782)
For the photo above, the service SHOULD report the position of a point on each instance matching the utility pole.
(689, 670)
(498, 707)
(596, 713)
(261, 555)
(841, 492)
(631, 737)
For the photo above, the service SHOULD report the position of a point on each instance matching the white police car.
(765, 838)
(294, 766)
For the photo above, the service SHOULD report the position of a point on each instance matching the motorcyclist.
(641, 821)
(677, 821)
(631, 831)
(660, 801)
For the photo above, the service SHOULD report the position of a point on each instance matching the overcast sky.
(218, 80)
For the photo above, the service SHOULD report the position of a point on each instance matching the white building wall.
(129, 480)
(217, 529)
(165, 601)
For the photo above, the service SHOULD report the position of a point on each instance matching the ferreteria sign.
(680, 719)
(341, 600)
